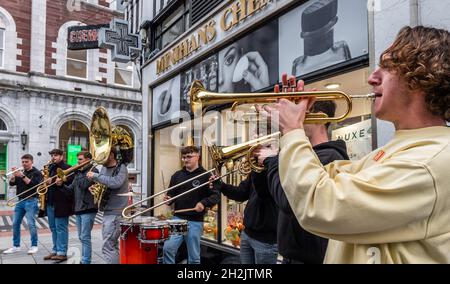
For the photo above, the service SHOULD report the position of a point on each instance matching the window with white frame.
(2, 46)
(123, 74)
(76, 63)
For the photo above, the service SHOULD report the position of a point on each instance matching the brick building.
(48, 93)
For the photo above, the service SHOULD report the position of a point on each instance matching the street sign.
(124, 46)
(72, 151)
(83, 37)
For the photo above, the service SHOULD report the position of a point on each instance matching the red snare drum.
(154, 232)
(131, 250)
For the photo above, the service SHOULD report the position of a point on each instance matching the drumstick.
(184, 210)
(188, 210)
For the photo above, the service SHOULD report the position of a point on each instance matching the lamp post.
(23, 139)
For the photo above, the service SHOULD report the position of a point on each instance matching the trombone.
(221, 156)
(5, 176)
(100, 140)
(201, 98)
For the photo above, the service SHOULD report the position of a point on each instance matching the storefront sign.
(83, 37)
(358, 138)
(124, 46)
(232, 16)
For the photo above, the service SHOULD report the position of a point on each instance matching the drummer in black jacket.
(195, 203)
(259, 237)
(59, 208)
(295, 244)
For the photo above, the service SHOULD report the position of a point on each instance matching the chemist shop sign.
(83, 37)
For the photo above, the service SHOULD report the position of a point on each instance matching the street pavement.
(45, 241)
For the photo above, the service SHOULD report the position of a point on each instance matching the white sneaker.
(33, 250)
(12, 250)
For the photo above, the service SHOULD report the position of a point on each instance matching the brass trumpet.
(5, 176)
(39, 191)
(201, 98)
(221, 156)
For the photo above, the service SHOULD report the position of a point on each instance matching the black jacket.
(56, 195)
(34, 175)
(83, 198)
(260, 213)
(208, 197)
(294, 242)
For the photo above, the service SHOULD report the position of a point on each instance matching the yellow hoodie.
(393, 206)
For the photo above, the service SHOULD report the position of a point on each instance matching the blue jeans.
(85, 223)
(60, 231)
(256, 252)
(28, 208)
(192, 239)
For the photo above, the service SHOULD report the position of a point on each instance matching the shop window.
(171, 27)
(201, 8)
(73, 133)
(3, 125)
(77, 63)
(123, 73)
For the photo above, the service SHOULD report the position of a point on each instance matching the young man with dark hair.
(295, 244)
(84, 207)
(198, 200)
(24, 180)
(393, 205)
(59, 208)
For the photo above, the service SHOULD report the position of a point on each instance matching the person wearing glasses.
(198, 201)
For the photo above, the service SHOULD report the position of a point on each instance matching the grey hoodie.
(116, 184)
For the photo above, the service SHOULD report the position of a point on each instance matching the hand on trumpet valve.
(262, 153)
(17, 174)
(289, 115)
(199, 207)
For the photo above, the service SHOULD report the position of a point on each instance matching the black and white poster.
(166, 101)
(206, 72)
(322, 33)
(251, 63)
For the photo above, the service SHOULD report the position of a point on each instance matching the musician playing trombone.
(84, 207)
(25, 208)
(198, 201)
(393, 206)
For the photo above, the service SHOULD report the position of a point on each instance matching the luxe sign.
(83, 37)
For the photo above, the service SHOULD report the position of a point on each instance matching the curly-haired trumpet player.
(392, 206)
